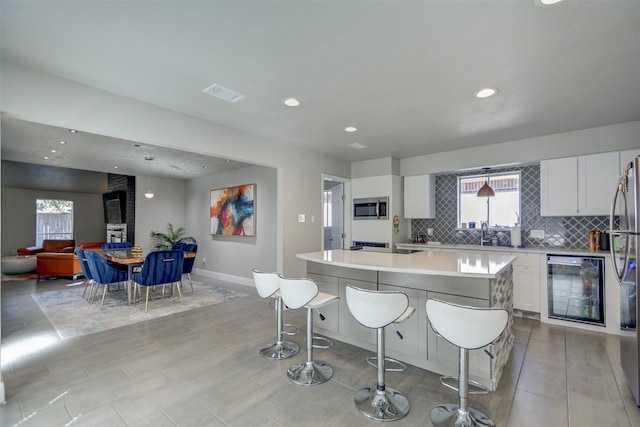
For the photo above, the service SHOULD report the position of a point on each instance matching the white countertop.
(442, 263)
(557, 250)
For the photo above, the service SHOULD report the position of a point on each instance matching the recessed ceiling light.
(486, 92)
(115, 167)
(227, 161)
(149, 157)
(73, 131)
(186, 171)
(136, 145)
(53, 151)
(46, 157)
(356, 145)
(205, 167)
(63, 142)
(350, 129)
(291, 102)
(547, 2)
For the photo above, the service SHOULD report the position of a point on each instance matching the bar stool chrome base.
(449, 415)
(381, 405)
(310, 373)
(280, 351)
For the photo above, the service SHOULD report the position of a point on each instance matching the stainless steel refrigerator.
(623, 244)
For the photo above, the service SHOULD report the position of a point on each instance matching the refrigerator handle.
(620, 190)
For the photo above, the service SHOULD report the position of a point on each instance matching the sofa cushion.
(65, 246)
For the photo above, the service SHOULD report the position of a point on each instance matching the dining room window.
(503, 209)
(54, 220)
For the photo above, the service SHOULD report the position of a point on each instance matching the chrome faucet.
(485, 234)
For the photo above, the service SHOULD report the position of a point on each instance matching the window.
(327, 200)
(501, 210)
(54, 220)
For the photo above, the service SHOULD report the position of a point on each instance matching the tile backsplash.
(574, 229)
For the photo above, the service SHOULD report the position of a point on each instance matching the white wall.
(235, 255)
(43, 98)
(166, 206)
(587, 141)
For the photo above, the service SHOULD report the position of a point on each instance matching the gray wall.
(234, 255)
(19, 216)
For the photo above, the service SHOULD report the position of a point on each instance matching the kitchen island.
(468, 278)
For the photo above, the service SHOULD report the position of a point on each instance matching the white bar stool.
(468, 328)
(296, 294)
(268, 286)
(376, 310)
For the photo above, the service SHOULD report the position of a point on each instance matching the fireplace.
(116, 233)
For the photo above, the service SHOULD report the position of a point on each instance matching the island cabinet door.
(348, 324)
(328, 284)
(445, 354)
(413, 330)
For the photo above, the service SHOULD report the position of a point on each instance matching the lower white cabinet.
(348, 324)
(413, 330)
(444, 353)
(526, 282)
(331, 312)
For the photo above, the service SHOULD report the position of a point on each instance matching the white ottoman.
(18, 264)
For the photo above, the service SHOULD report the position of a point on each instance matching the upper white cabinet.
(558, 187)
(597, 176)
(579, 185)
(627, 156)
(420, 196)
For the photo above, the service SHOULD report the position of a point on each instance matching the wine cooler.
(575, 288)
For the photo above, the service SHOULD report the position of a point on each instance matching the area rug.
(19, 277)
(71, 315)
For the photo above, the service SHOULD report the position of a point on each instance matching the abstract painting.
(232, 211)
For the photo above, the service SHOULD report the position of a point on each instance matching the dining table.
(133, 260)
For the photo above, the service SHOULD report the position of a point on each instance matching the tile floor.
(201, 368)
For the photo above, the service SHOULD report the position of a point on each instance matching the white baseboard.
(2, 401)
(224, 277)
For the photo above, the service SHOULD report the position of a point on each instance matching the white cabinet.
(348, 324)
(420, 196)
(597, 175)
(413, 342)
(627, 156)
(526, 282)
(558, 187)
(578, 185)
(330, 312)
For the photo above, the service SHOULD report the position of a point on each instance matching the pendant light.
(486, 190)
(149, 194)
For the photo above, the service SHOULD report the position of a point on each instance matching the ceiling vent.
(224, 93)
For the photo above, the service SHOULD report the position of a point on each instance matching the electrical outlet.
(301, 218)
(537, 234)
(204, 260)
(429, 231)
(313, 219)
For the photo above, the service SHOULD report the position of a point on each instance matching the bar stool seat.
(304, 293)
(468, 328)
(268, 286)
(376, 310)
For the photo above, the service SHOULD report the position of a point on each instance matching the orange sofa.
(62, 264)
(52, 264)
(58, 246)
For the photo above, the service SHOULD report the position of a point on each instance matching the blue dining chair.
(102, 274)
(160, 268)
(187, 266)
(88, 280)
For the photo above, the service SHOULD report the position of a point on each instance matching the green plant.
(172, 236)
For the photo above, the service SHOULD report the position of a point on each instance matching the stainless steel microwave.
(371, 208)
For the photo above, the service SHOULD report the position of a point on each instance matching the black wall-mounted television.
(115, 207)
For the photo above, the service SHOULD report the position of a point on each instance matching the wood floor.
(201, 368)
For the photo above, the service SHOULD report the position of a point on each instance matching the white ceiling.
(403, 72)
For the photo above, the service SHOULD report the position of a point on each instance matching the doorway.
(334, 207)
